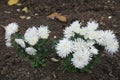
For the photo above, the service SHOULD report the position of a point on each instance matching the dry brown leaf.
(4, 27)
(62, 18)
(57, 16)
(53, 15)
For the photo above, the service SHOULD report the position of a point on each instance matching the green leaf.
(77, 36)
(66, 63)
(99, 47)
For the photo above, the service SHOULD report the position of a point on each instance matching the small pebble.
(109, 17)
(54, 60)
(22, 17)
(18, 10)
(36, 14)
(28, 17)
(55, 37)
(7, 12)
(108, 1)
(19, 4)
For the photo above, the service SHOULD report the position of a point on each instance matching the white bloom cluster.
(83, 49)
(9, 30)
(33, 34)
(74, 27)
(108, 40)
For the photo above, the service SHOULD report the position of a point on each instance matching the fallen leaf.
(62, 18)
(54, 60)
(12, 2)
(57, 16)
(53, 15)
(25, 9)
(4, 27)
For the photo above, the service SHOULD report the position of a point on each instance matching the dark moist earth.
(12, 67)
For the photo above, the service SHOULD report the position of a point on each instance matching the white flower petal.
(92, 25)
(30, 50)
(43, 32)
(31, 36)
(64, 47)
(75, 26)
(20, 42)
(68, 32)
(80, 59)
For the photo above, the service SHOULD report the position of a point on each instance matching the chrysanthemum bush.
(80, 48)
(32, 46)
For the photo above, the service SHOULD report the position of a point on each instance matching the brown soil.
(12, 67)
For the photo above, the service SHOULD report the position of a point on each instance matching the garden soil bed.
(105, 12)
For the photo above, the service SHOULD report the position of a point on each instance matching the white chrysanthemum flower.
(30, 51)
(88, 33)
(84, 31)
(11, 29)
(101, 38)
(75, 26)
(112, 46)
(112, 43)
(64, 47)
(91, 35)
(68, 32)
(80, 59)
(43, 32)
(31, 36)
(92, 25)
(107, 39)
(79, 44)
(20, 42)
(8, 43)
(86, 47)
